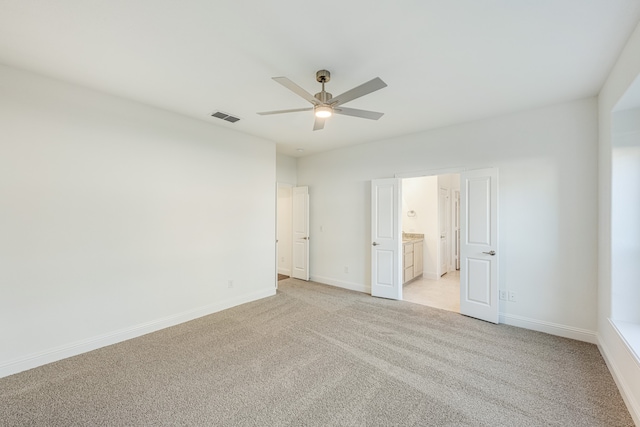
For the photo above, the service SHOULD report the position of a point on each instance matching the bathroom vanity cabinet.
(412, 259)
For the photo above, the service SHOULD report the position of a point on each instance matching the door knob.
(305, 238)
(492, 253)
(375, 244)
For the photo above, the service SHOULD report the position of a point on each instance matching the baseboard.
(358, 287)
(549, 328)
(430, 275)
(619, 374)
(62, 352)
(508, 319)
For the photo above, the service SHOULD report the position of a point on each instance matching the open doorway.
(394, 263)
(431, 240)
(284, 210)
(292, 232)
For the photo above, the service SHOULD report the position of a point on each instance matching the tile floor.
(443, 293)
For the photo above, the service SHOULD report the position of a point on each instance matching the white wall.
(118, 219)
(286, 169)
(548, 208)
(622, 362)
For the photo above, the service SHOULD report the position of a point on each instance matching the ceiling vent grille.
(225, 116)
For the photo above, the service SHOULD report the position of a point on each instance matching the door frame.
(456, 170)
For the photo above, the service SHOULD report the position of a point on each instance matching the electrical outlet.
(503, 295)
(346, 269)
(513, 297)
(230, 284)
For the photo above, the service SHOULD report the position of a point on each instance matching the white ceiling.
(445, 61)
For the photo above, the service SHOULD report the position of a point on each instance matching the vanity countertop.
(412, 237)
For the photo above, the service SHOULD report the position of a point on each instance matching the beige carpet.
(315, 355)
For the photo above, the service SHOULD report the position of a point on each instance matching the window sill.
(630, 333)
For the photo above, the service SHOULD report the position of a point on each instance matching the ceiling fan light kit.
(323, 111)
(325, 105)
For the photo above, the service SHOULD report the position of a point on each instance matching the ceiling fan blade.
(297, 89)
(365, 114)
(357, 92)
(319, 123)
(295, 110)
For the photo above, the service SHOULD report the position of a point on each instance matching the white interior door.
(300, 220)
(386, 238)
(479, 244)
(443, 200)
(456, 229)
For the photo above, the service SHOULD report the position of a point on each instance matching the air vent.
(225, 116)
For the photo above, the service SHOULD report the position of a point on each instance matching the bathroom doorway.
(431, 215)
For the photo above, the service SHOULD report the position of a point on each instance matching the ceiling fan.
(324, 105)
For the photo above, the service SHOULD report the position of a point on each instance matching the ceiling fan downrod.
(322, 77)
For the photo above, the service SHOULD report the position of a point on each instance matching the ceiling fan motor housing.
(323, 76)
(323, 97)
